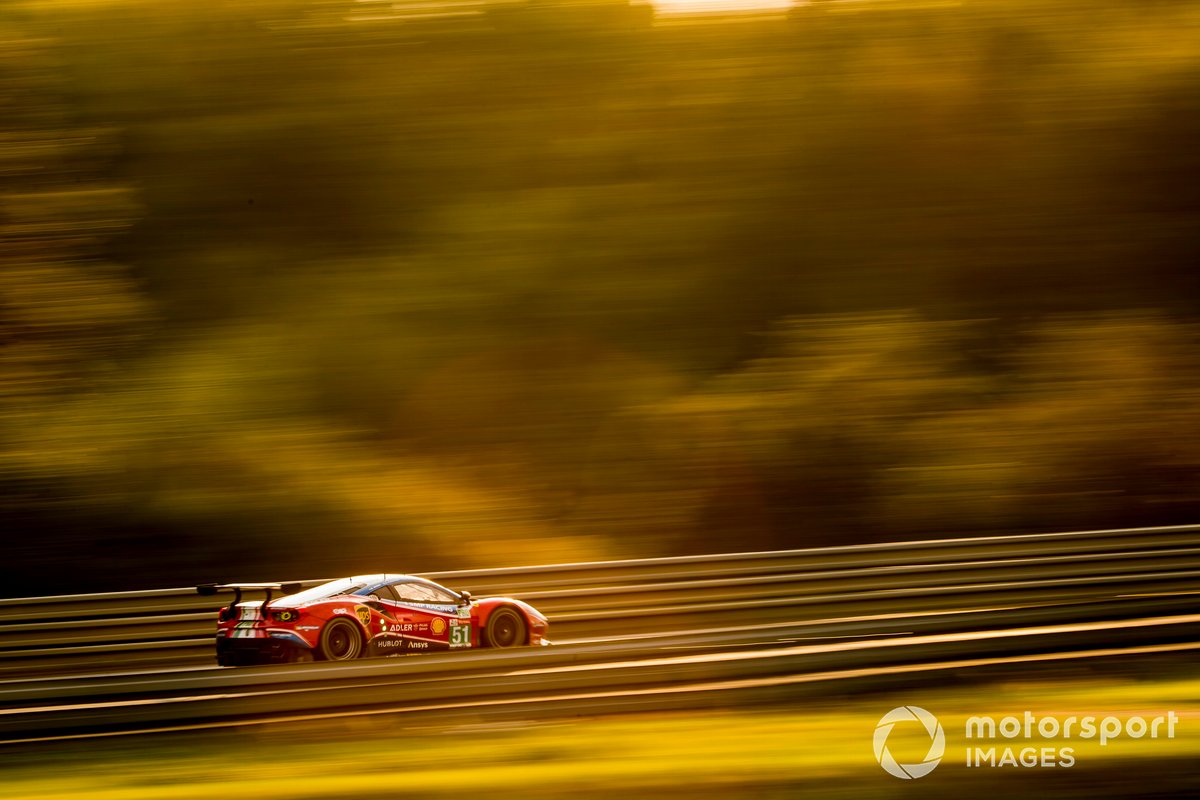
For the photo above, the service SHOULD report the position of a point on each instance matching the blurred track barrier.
(547, 682)
(1106, 574)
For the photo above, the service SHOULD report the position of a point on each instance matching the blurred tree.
(889, 426)
(68, 313)
(498, 284)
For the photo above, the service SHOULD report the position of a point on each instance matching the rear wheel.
(506, 628)
(339, 642)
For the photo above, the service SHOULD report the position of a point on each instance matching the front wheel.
(339, 642)
(506, 628)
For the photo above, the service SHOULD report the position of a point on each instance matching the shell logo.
(438, 626)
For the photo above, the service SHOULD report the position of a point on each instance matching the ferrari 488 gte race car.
(367, 615)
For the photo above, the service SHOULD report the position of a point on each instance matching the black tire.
(340, 641)
(506, 628)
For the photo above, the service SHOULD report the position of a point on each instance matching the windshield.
(331, 589)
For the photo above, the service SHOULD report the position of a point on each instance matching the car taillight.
(226, 614)
(285, 614)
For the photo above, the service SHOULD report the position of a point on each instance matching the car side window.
(444, 596)
(422, 593)
(385, 593)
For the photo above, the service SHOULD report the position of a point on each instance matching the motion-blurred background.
(301, 288)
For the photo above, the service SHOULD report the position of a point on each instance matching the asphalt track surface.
(715, 631)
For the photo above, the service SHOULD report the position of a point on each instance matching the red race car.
(367, 615)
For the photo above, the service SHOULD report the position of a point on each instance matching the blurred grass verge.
(822, 748)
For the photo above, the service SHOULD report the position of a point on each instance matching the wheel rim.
(341, 644)
(504, 630)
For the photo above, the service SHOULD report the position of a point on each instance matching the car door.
(433, 614)
(395, 622)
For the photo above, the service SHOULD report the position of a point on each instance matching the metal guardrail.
(545, 681)
(65, 634)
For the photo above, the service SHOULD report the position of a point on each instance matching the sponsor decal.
(464, 611)
(364, 614)
(308, 627)
(438, 626)
(418, 645)
(389, 644)
(404, 627)
(286, 616)
(340, 611)
(441, 608)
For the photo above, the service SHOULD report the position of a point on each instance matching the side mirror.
(466, 598)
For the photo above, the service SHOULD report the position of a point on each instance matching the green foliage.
(554, 280)
(888, 426)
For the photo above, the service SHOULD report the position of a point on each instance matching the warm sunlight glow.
(664, 7)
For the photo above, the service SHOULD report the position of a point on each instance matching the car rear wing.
(210, 589)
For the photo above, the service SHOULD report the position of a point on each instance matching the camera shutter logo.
(937, 742)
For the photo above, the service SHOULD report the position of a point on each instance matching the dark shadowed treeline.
(296, 288)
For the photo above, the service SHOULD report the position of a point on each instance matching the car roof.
(387, 577)
(372, 582)
(366, 584)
